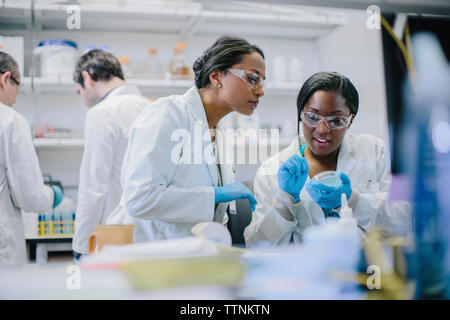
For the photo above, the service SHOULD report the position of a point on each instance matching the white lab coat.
(106, 137)
(168, 180)
(21, 184)
(363, 158)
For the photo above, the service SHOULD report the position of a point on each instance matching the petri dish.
(328, 177)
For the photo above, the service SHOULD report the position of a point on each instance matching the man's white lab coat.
(106, 131)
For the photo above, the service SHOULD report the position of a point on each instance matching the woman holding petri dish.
(302, 185)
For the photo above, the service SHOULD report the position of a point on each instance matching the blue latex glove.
(233, 191)
(328, 196)
(59, 195)
(292, 175)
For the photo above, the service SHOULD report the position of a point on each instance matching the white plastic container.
(280, 70)
(30, 223)
(155, 70)
(14, 47)
(58, 57)
(295, 71)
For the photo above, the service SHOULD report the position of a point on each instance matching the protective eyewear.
(333, 123)
(12, 78)
(253, 79)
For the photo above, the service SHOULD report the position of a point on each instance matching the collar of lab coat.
(345, 160)
(123, 89)
(198, 113)
(196, 108)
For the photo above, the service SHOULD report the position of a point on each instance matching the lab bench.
(39, 247)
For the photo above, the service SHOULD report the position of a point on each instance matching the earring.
(219, 85)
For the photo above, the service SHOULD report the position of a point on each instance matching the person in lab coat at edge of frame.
(21, 182)
(170, 186)
(289, 201)
(113, 106)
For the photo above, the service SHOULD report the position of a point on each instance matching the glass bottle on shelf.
(125, 64)
(178, 67)
(154, 67)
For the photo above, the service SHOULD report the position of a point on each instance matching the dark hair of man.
(101, 66)
(223, 54)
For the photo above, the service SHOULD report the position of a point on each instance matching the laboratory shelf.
(39, 246)
(57, 237)
(66, 84)
(183, 19)
(57, 142)
(163, 86)
(78, 143)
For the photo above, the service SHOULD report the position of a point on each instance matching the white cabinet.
(130, 28)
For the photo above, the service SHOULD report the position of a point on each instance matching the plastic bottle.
(153, 64)
(336, 241)
(125, 64)
(347, 216)
(73, 222)
(54, 224)
(67, 222)
(280, 70)
(41, 227)
(178, 67)
(346, 211)
(295, 71)
(47, 219)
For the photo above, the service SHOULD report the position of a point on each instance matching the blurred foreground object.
(425, 136)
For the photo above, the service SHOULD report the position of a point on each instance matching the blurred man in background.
(113, 106)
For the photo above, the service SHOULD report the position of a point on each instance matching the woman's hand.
(328, 196)
(233, 191)
(292, 175)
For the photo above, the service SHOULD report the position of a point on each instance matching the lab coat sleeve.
(373, 208)
(95, 174)
(28, 190)
(150, 164)
(267, 225)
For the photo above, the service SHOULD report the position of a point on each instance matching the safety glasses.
(252, 79)
(17, 83)
(333, 123)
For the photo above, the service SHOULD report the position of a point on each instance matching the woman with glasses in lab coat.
(175, 172)
(288, 199)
